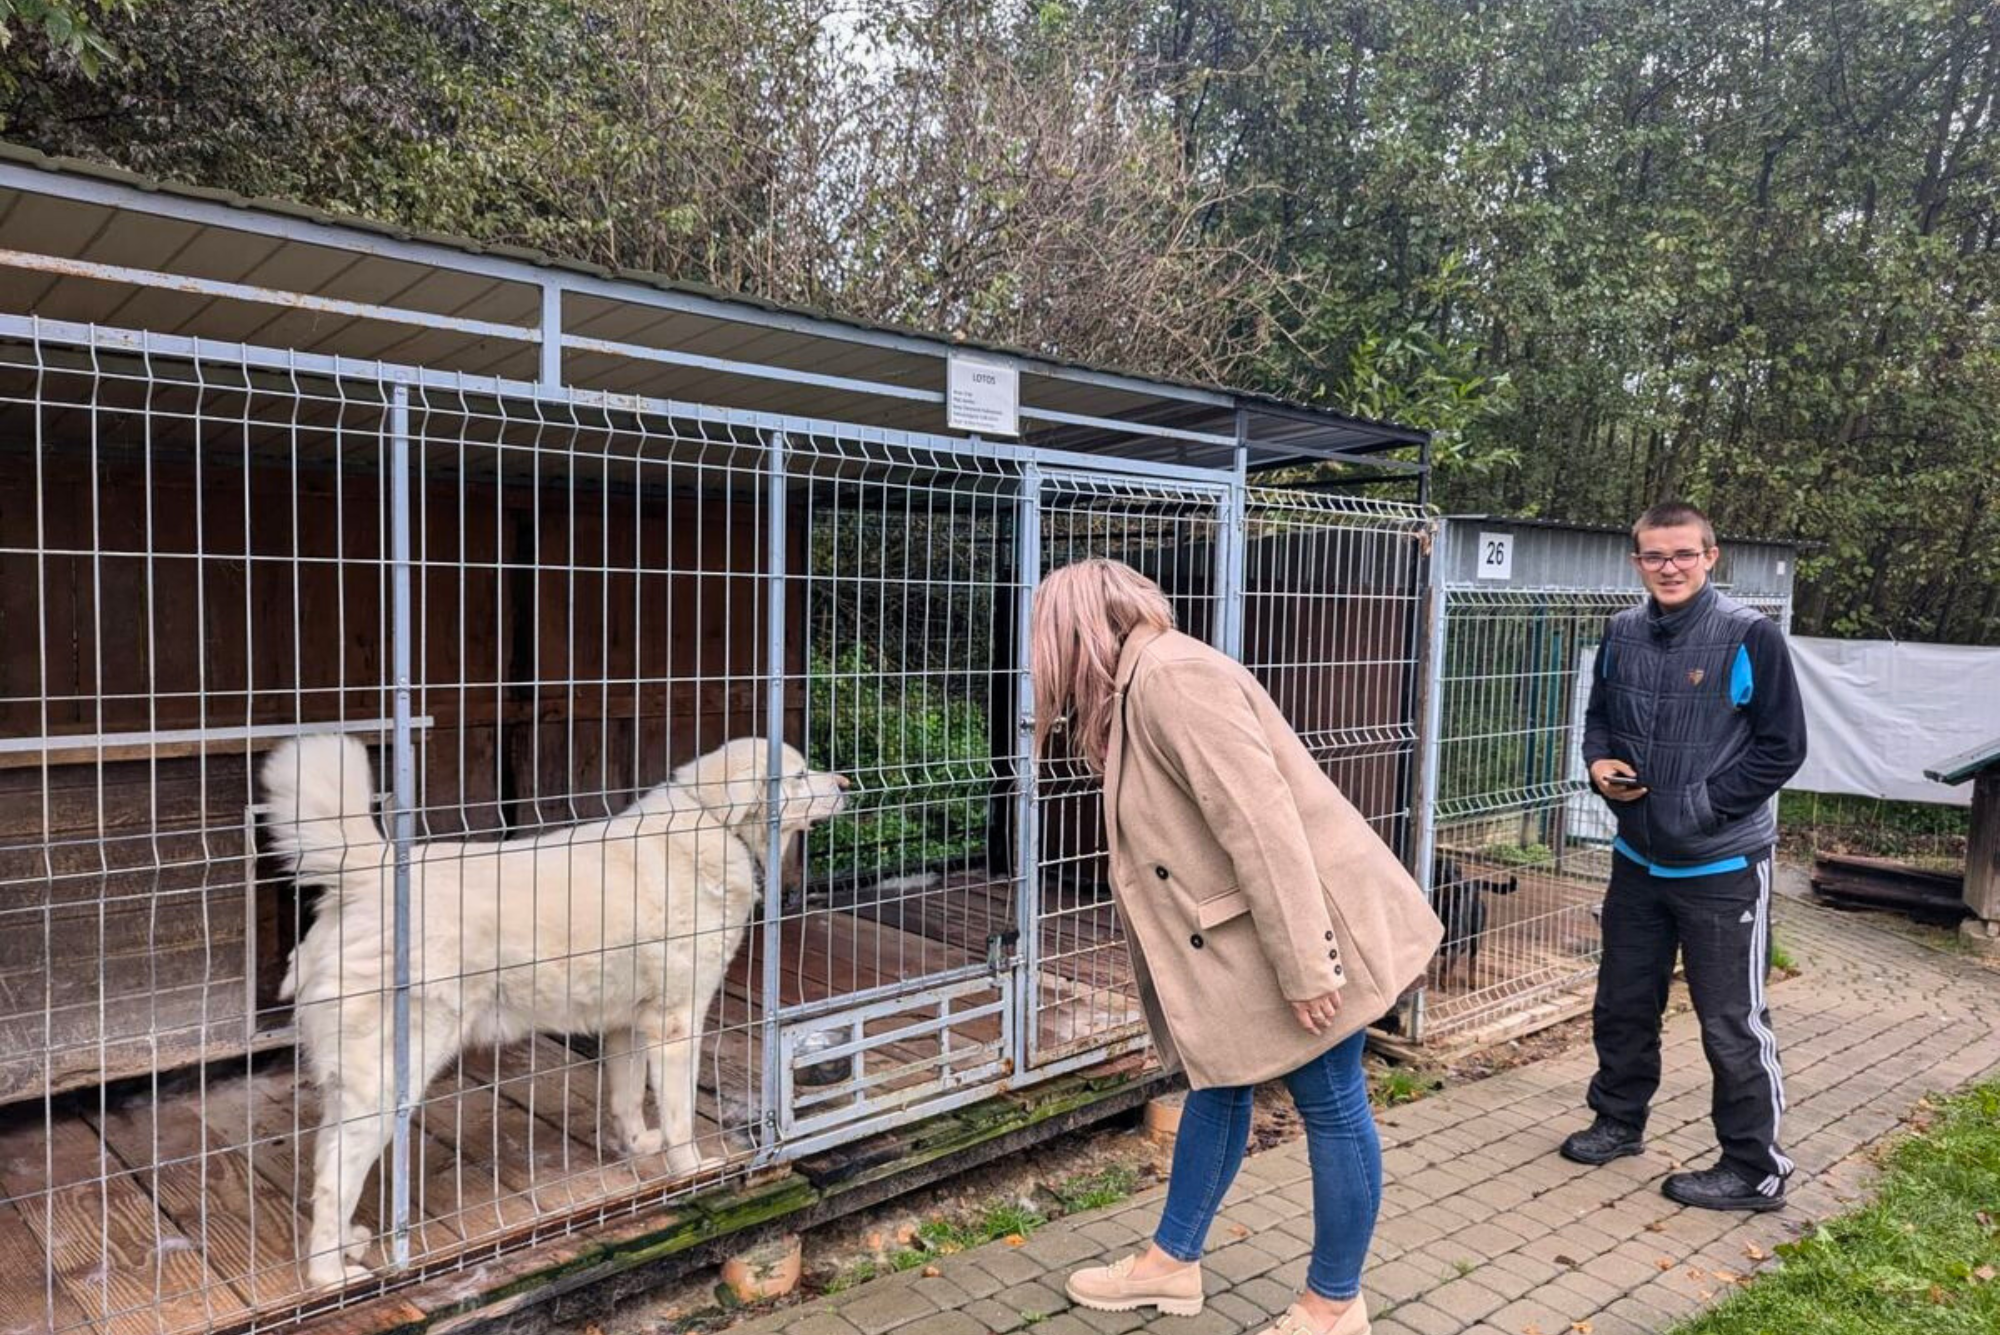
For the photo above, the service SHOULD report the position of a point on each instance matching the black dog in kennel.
(1460, 903)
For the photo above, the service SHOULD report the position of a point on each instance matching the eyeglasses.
(1660, 560)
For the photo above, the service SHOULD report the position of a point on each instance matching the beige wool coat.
(1244, 878)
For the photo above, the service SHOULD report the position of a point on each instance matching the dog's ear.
(1506, 887)
(728, 781)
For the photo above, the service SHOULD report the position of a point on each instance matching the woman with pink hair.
(1268, 925)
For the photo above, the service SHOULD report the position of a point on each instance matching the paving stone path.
(1484, 1229)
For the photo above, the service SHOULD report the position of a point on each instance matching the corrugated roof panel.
(214, 235)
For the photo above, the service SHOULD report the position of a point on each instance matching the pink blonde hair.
(1083, 612)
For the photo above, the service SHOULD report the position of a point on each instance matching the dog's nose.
(844, 782)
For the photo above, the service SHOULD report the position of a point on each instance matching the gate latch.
(1000, 950)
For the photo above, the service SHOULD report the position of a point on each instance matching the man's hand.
(1599, 774)
(1319, 1013)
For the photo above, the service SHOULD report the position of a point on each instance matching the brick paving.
(1484, 1229)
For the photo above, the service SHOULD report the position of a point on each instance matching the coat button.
(1333, 954)
(1160, 872)
(1329, 936)
(1195, 940)
(1337, 973)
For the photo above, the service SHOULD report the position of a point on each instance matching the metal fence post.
(549, 372)
(402, 802)
(1027, 831)
(1432, 738)
(774, 779)
(1232, 541)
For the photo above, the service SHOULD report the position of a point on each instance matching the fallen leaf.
(905, 1235)
(1705, 1295)
(1015, 1240)
(1755, 1253)
(1569, 1261)
(1664, 1264)
(874, 1242)
(1694, 1272)
(1531, 1329)
(1238, 1231)
(1657, 1226)
(1728, 1276)
(932, 1272)
(1983, 1275)
(1580, 1327)
(1936, 1296)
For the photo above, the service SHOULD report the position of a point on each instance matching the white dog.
(621, 927)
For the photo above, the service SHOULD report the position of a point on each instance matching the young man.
(1694, 724)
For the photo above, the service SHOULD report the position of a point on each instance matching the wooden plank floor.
(145, 1214)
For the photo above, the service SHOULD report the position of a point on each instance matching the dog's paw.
(328, 1272)
(358, 1240)
(649, 1141)
(684, 1161)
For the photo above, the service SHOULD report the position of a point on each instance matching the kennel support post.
(403, 809)
(772, 1074)
(1027, 830)
(1430, 750)
(1231, 542)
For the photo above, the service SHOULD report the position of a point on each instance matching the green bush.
(919, 760)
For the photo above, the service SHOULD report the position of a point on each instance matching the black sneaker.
(1606, 1139)
(1723, 1188)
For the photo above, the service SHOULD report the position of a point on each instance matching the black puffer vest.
(1674, 718)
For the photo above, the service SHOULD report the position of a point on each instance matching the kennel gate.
(1524, 607)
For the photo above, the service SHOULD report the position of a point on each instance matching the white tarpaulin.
(1878, 712)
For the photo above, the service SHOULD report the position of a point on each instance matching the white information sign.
(982, 396)
(1496, 556)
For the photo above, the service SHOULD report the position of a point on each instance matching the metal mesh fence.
(1523, 843)
(438, 820)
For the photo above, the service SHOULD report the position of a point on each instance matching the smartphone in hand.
(1623, 781)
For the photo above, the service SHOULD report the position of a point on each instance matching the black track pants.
(1721, 925)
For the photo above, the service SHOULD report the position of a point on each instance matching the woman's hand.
(1319, 1013)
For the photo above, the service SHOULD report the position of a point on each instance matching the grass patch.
(1781, 959)
(943, 1237)
(1923, 1259)
(1518, 855)
(859, 1273)
(1007, 1221)
(1097, 1190)
(997, 1221)
(1401, 1084)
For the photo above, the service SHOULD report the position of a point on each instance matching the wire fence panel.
(1082, 982)
(1523, 843)
(435, 821)
(1333, 625)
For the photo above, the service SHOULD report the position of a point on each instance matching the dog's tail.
(319, 790)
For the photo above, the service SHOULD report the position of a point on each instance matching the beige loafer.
(1354, 1321)
(1111, 1288)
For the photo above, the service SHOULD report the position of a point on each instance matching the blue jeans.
(1331, 1094)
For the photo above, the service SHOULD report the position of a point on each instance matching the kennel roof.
(90, 247)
